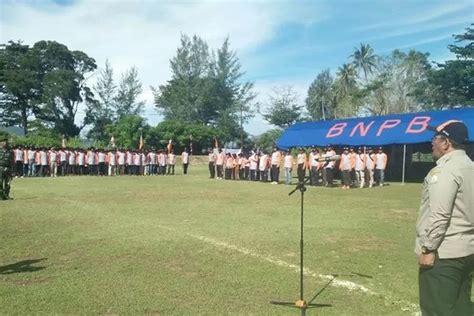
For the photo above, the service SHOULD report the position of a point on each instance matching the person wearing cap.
(370, 166)
(275, 166)
(6, 163)
(346, 166)
(288, 164)
(359, 167)
(329, 166)
(211, 158)
(445, 226)
(380, 165)
(314, 164)
(185, 160)
(301, 165)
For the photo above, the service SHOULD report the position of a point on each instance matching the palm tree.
(365, 59)
(347, 78)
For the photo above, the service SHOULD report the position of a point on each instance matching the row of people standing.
(360, 169)
(30, 162)
(253, 166)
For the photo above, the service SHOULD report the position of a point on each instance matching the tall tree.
(320, 99)
(347, 77)
(347, 100)
(364, 59)
(100, 113)
(19, 84)
(206, 88)
(283, 109)
(126, 101)
(63, 74)
(232, 98)
(451, 83)
(186, 96)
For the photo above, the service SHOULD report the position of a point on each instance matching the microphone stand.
(300, 303)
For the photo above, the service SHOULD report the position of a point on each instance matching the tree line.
(206, 98)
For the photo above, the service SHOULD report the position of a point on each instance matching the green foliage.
(320, 101)
(182, 134)
(267, 140)
(283, 109)
(127, 131)
(364, 59)
(19, 84)
(129, 90)
(452, 83)
(100, 112)
(63, 85)
(41, 138)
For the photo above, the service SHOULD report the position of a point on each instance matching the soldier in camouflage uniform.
(6, 158)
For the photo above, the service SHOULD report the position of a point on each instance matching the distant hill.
(14, 130)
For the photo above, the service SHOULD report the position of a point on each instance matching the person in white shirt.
(101, 157)
(263, 167)
(72, 169)
(43, 160)
(112, 159)
(162, 162)
(360, 162)
(185, 160)
(171, 163)
(31, 162)
(18, 153)
(288, 164)
(152, 162)
(329, 166)
(92, 162)
(220, 163)
(253, 166)
(380, 165)
(370, 166)
(211, 157)
(136, 159)
(121, 162)
(81, 162)
(301, 165)
(53, 163)
(275, 165)
(314, 165)
(63, 161)
(129, 162)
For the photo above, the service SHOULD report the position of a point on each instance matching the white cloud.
(428, 14)
(146, 34)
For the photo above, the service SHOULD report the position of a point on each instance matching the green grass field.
(191, 245)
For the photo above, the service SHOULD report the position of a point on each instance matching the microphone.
(331, 158)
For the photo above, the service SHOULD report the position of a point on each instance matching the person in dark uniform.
(6, 161)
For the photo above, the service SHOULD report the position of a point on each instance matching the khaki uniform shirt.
(446, 217)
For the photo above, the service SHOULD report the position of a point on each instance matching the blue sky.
(279, 43)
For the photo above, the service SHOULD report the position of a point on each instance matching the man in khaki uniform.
(445, 226)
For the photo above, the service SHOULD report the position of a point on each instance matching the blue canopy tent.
(401, 129)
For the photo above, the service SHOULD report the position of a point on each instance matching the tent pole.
(404, 160)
